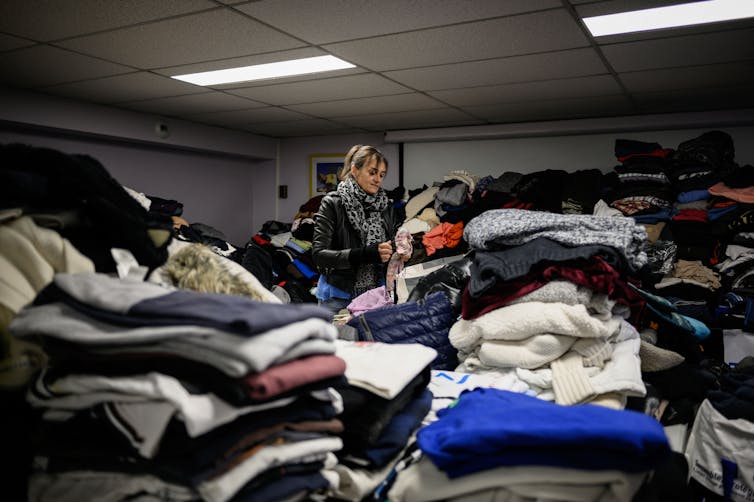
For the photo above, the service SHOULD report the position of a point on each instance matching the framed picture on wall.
(323, 172)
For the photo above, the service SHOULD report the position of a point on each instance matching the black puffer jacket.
(337, 249)
(426, 321)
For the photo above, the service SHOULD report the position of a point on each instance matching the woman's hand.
(386, 250)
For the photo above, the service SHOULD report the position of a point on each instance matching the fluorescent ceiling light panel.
(264, 71)
(672, 16)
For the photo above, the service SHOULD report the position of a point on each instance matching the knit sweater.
(522, 320)
(509, 227)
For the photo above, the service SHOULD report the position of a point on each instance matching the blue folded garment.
(488, 428)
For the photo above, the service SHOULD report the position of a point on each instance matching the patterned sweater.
(499, 228)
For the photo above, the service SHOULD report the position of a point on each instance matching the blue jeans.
(334, 305)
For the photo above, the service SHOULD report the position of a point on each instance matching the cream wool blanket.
(523, 320)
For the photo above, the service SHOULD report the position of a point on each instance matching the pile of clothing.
(179, 394)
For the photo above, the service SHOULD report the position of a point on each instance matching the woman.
(353, 230)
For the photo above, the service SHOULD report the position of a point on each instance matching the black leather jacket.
(336, 243)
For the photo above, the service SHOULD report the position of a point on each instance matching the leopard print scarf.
(364, 211)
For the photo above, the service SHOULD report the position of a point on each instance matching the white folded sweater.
(569, 379)
(523, 320)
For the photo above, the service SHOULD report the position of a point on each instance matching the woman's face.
(370, 176)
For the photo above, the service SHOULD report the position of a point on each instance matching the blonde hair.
(358, 155)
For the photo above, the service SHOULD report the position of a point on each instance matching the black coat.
(337, 249)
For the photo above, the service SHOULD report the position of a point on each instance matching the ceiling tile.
(312, 91)
(308, 127)
(122, 88)
(47, 20)
(420, 63)
(554, 110)
(206, 102)
(531, 91)
(381, 104)
(250, 116)
(356, 19)
(546, 66)
(689, 50)
(52, 66)
(9, 42)
(706, 76)
(218, 34)
(444, 117)
(508, 36)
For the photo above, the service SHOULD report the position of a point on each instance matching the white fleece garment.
(522, 320)
(30, 256)
(416, 203)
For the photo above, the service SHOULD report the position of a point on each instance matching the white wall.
(427, 162)
(294, 165)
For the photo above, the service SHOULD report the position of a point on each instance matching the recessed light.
(671, 16)
(265, 71)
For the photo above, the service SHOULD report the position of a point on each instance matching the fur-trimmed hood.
(198, 268)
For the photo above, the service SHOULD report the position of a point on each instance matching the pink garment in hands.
(403, 249)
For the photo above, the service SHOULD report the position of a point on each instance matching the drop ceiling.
(419, 63)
